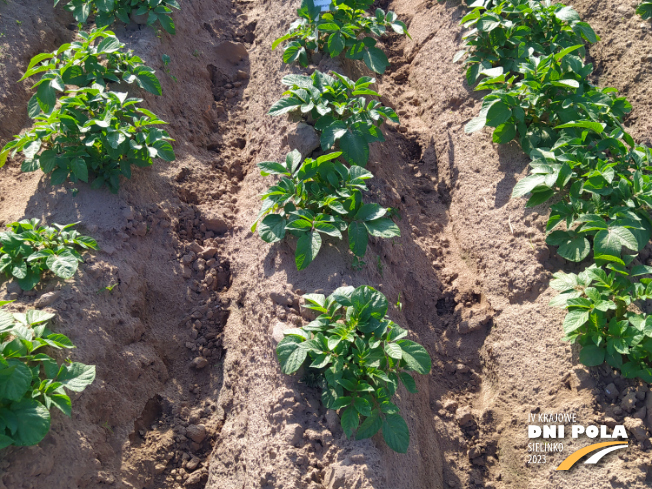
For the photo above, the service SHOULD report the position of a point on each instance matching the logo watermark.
(548, 432)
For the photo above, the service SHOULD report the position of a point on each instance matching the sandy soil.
(194, 283)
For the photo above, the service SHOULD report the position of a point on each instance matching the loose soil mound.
(189, 392)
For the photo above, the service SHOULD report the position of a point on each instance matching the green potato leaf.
(308, 246)
(592, 356)
(415, 357)
(272, 228)
(396, 433)
(15, 380)
(575, 320)
(408, 382)
(63, 265)
(383, 228)
(76, 376)
(350, 421)
(358, 238)
(32, 420)
(369, 426)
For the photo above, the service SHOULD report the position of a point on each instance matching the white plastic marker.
(324, 4)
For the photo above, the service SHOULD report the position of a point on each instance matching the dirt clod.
(47, 299)
(629, 402)
(611, 391)
(637, 428)
(199, 362)
(294, 434)
(304, 139)
(196, 433)
(192, 464)
(464, 416)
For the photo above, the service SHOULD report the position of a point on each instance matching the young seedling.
(357, 264)
(359, 356)
(166, 62)
(108, 288)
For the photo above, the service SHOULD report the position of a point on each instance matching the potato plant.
(346, 28)
(339, 111)
(539, 94)
(93, 135)
(601, 318)
(551, 97)
(28, 250)
(359, 356)
(107, 11)
(320, 197)
(506, 34)
(645, 10)
(32, 382)
(98, 58)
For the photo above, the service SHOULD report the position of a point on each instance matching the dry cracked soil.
(188, 390)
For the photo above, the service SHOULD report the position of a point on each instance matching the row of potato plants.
(529, 56)
(353, 351)
(31, 382)
(83, 131)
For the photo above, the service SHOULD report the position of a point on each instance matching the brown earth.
(194, 283)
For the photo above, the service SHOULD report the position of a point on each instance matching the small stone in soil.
(196, 432)
(450, 405)
(192, 464)
(611, 391)
(195, 478)
(199, 363)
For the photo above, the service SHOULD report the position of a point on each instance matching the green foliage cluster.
(83, 131)
(508, 34)
(352, 351)
(320, 197)
(345, 28)
(531, 59)
(602, 320)
(93, 133)
(98, 58)
(339, 110)
(108, 11)
(645, 10)
(358, 356)
(31, 382)
(28, 250)
(90, 133)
